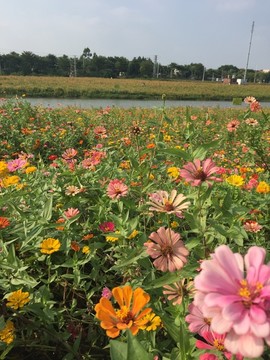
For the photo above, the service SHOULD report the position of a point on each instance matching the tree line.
(93, 65)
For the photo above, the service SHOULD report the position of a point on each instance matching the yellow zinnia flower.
(7, 334)
(153, 322)
(86, 250)
(235, 180)
(173, 172)
(50, 245)
(10, 180)
(18, 299)
(30, 169)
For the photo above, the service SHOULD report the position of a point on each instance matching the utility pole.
(245, 74)
(155, 67)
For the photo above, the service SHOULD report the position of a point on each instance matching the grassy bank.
(91, 88)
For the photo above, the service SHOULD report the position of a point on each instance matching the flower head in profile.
(49, 246)
(72, 190)
(198, 172)
(177, 291)
(167, 249)
(234, 291)
(263, 187)
(18, 299)
(252, 226)
(125, 310)
(7, 333)
(172, 203)
(116, 189)
(71, 212)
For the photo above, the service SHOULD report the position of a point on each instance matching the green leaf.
(118, 350)
(171, 328)
(134, 256)
(166, 279)
(47, 211)
(136, 350)
(201, 151)
(176, 152)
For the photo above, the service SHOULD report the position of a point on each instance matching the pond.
(123, 103)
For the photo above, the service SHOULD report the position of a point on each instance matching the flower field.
(134, 233)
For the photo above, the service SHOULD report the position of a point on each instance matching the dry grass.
(34, 86)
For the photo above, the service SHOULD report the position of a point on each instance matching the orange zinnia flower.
(129, 313)
(4, 222)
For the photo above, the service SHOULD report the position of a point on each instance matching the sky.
(211, 32)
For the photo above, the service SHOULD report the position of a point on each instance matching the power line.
(252, 29)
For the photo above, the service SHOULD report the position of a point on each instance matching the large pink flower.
(198, 171)
(116, 189)
(235, 293)
(168, 250)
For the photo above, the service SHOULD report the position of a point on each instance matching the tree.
(146, 68)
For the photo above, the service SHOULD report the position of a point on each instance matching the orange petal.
(106, 325)
(134, 329)
(113, 333)
(140, 299)
(127, 291)
(106, 306)
(143, 313)
(118, 295)
(122, 326)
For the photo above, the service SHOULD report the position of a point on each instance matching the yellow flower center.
(218, 345)
(124, 314)
(248, 293)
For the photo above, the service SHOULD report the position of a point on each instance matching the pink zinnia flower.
(255, 106)
(197, 322)
(71, 212)
(198, 171)
(106, 292)
(233, 125)
(16, 164)
(69, 154)
(235, 293)
(252, 226)
(215, 342)
(107, 226)
(100, 131)
(167, 249)
(172, 203)
(116, 189)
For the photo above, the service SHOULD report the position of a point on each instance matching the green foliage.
(60, 192)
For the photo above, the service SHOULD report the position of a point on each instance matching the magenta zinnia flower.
(116, 189)
(198, 171)
(235, 293)
(171, 203)
(168, 250)
(107, 226)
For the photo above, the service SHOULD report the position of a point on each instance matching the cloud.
(232, 5)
